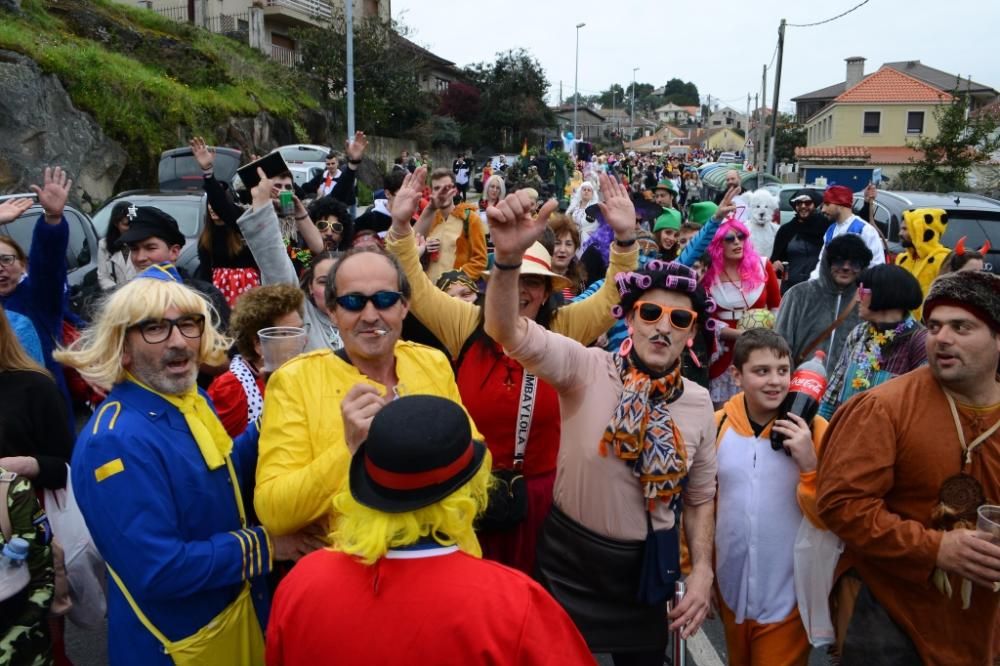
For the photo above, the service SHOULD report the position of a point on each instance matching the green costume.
(24, 628)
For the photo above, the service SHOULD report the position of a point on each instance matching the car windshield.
(181, 172)
(186, 210)
(304, 154)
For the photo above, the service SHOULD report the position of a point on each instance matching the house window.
(716, 123)
(915, 122)
(873, 120)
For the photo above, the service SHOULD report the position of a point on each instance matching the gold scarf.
(206, 428)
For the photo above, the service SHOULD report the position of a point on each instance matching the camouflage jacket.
(24, 630)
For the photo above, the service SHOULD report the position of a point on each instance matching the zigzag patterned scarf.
(643, 434)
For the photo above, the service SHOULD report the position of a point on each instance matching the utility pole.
(760, 152)
(631, 134)
(576, 78)
(560, 93)
(774, 109)
(349, 19)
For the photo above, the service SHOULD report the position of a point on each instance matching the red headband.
(414, 480)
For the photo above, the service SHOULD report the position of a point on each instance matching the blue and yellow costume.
(167, 524)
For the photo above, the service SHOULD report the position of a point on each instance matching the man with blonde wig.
(404, 581)
(159, 482)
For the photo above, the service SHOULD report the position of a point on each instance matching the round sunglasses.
(732, 238)
(680, 318)
(382, 300)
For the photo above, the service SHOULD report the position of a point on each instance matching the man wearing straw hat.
(904, 469)
(406, 563)
(159, 483)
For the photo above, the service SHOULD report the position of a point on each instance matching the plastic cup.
(988, 521)
(279, 344)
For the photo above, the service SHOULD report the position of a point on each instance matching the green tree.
(512, 104)
(386, 94)
(613, 96)
(963, 140)
(790, 136)
(681, 93)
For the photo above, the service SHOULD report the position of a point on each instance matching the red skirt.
(516, 547)
(233, 282)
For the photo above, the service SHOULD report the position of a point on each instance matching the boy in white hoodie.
(762, 496)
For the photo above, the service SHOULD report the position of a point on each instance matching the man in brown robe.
(903, 470)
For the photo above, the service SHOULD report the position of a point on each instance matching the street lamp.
(576, 77)
(631, 133)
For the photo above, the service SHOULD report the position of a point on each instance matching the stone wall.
(40, 126)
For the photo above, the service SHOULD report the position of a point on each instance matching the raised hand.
(513, 227)
(261, 192)
(726, 206)
(404, 204)
(355, 149)
(617, 207)
(53, 193)
(12, 209)
(202, 155)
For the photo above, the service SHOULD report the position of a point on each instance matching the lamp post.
(631, 132)
(349, 19)
(576, 77)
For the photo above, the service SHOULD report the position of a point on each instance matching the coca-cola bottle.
(804, 395)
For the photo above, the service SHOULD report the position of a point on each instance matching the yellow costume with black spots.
(923, 260)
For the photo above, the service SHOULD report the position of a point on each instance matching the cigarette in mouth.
(382, 331)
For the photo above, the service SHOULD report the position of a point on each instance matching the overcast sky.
(720, 45)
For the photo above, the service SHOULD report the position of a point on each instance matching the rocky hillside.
(101, 89)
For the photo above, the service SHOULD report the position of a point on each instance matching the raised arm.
(698, 245)
(514, 230)
(451, 320)
(344, 189)
(224, 207)
(259, 226)
(586, 320)
(47, 257)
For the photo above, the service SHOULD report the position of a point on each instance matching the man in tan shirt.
(456, 236)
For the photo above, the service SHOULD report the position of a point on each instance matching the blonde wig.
(97, 354)
(369, 533)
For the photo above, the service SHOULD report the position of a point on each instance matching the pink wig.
(751, 271)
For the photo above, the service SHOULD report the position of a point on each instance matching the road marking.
(701, 650)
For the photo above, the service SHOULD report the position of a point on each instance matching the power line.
(834, 18)
(776, 53)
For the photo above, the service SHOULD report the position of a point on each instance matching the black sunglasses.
(155, 331)
(323, 225)
(382, 300)
(732, 238)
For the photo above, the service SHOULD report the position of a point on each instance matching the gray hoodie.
(808, 308)
(263, 237)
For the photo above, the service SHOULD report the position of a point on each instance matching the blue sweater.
(41, 295)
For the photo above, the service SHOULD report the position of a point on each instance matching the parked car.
(81, 253)
(971, 215)
(188, 208)
(304, 155)
(179, 170)
(302, 174)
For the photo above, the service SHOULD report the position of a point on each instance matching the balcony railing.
(317, 9)
(283, 55)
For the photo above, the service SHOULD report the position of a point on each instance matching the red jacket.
(437, 606)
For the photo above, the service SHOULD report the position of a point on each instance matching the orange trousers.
(783, 643)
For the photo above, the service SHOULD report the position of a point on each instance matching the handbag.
(817, 552)
(80, 584)
(661, 564)
(508, 494)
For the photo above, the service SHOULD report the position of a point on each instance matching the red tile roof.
(861, 154)
(890, 85)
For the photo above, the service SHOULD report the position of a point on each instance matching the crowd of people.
(512, 426)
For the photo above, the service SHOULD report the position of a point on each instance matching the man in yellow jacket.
(319, 405)
(924, 252)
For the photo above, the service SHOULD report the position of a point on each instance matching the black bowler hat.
(149, 222)
(419, 450)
